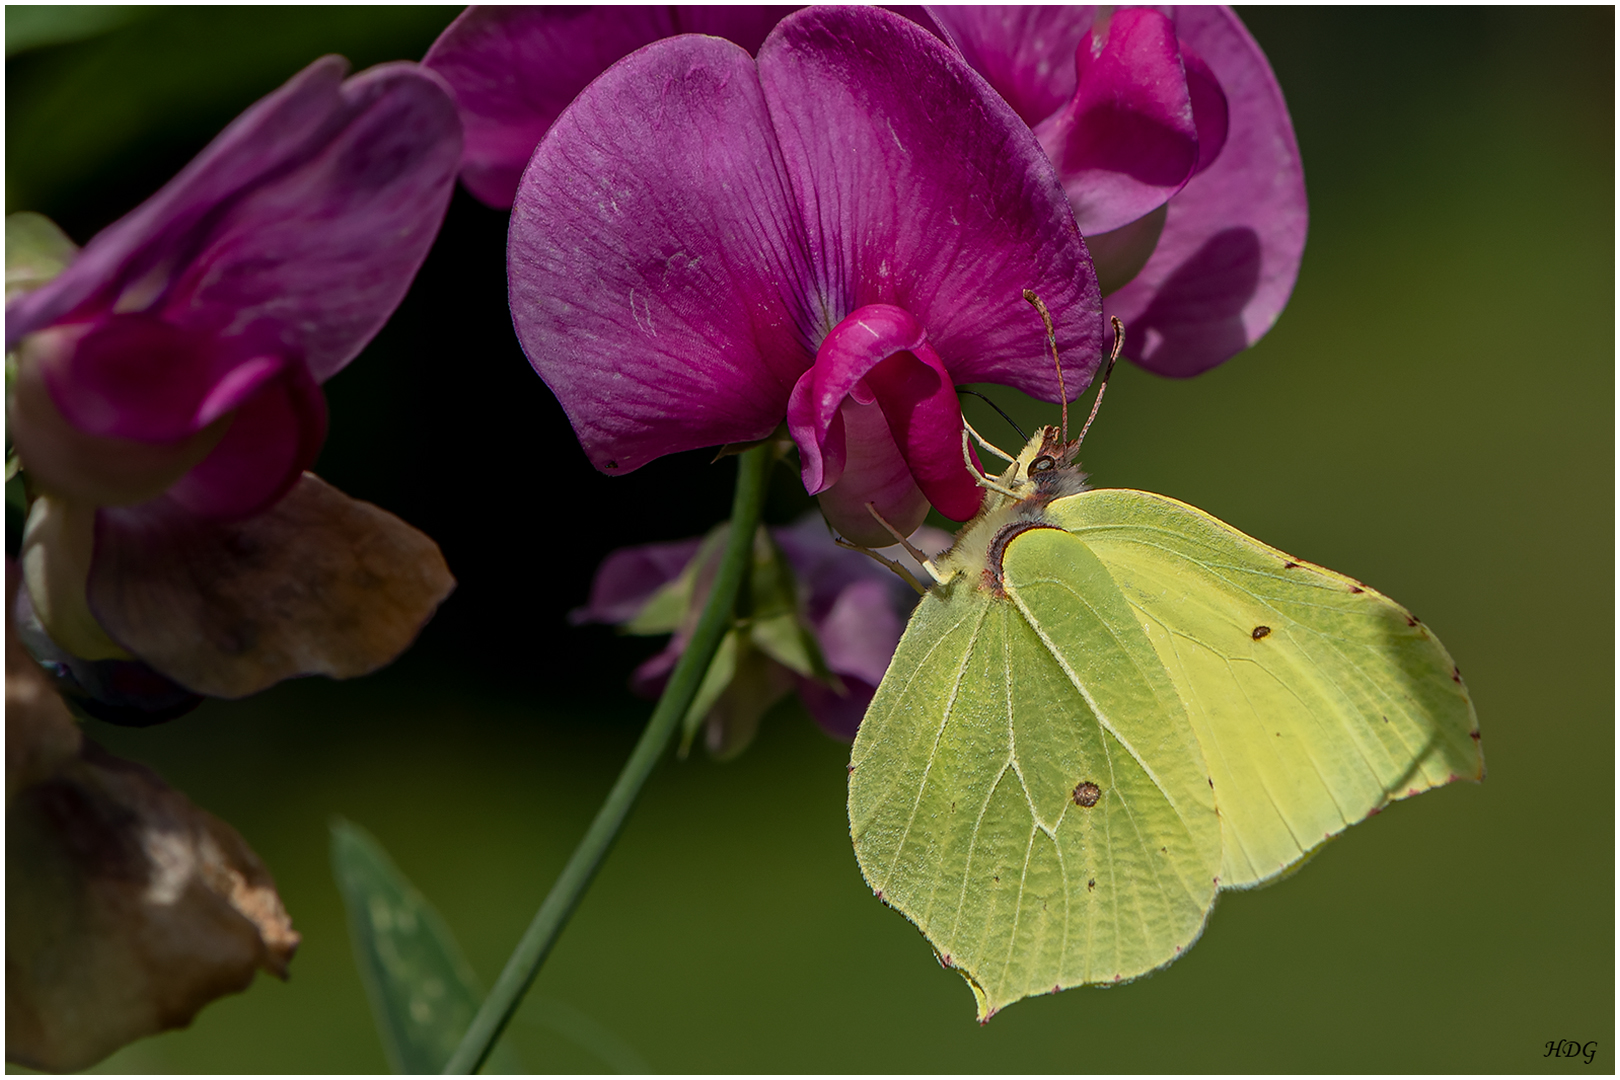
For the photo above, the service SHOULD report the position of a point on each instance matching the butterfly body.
(1043, 473)
(1114, 705)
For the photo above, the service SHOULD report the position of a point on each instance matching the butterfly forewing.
(1025, 786)
(1316, 700)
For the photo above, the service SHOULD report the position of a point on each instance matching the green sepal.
(36, 251)
(669, 607)
(423, 993)
(715, 680)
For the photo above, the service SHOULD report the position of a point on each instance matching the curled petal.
(1127, 141)
(1210, 112)
(655, 258)
(881, 478)
(319, 584)
(925, 191)
(882, 354)
(103, 470)
(296, 232)
(1227, 260)
(136, 377)
(514, 69)
(270, 440)
(127, 910)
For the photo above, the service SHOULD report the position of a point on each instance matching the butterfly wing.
(968, 800)
(1316, 700)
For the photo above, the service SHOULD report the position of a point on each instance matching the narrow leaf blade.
(423, 993)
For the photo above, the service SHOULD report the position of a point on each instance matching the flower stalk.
(753, 467)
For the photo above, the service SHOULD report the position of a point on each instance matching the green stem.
(752, 468)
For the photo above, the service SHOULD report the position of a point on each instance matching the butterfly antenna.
(998, 408)
(1051, 340)
(1119, 343)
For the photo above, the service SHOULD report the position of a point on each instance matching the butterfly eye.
(1044, 463)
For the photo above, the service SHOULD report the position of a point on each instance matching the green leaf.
(423, 993)
(1115, 706)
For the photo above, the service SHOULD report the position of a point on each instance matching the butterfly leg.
(986, 443)
(911, 549)
(900, 571)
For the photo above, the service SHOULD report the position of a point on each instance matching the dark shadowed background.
(1433, 414)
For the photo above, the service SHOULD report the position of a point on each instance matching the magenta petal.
(655, 259)
(882, 479)
(882, 354)
(651, 674)
(1210, 113)
(924, 190)
(134, 377)
(1127, 141)
(839, 715)
(515, 69)
(746, 24)
(628, 577)
(859, 634)
(276, 128)
(1025, 51)
(272, 438)
(297, 231)
(1227, 260)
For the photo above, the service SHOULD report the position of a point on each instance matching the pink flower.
(1173, 142)
(168, 401)
(852, 608)
(704, 246)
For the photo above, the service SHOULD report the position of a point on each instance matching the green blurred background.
(1433, 414)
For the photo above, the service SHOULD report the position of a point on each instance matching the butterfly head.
(1046, 469)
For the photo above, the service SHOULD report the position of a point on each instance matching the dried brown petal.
(320, 584)
(128, 909)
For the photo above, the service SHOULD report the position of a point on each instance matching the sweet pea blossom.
(515, 68)
(167, 396)
(853, 609)
(1173, 142)
(704, 246)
